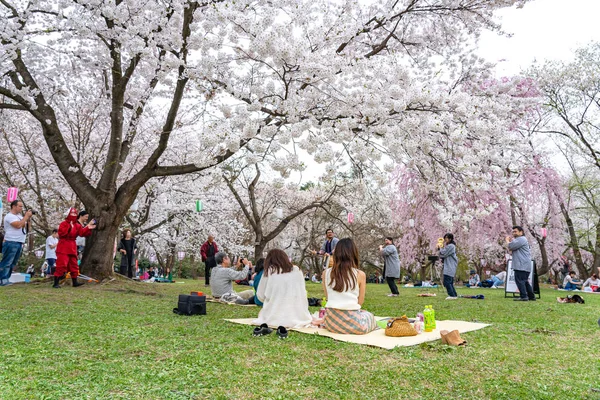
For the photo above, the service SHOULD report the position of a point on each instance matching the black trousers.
(209, 264)
(449, 285)
(392, 284)
(525, 289)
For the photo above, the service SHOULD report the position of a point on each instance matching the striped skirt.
(353, 322)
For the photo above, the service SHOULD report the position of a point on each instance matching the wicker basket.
(399, 327)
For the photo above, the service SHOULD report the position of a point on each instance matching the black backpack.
(191, 305)
(314, 302)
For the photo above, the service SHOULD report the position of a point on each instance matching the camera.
(33, 212)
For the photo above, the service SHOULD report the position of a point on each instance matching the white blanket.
(377, 338)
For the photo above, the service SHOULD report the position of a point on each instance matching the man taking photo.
(14, 237)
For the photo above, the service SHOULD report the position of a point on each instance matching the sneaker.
(451, 298)
(494, 287)
(392, 295)
(282, 332)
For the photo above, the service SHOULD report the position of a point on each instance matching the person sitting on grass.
(315, 278)
(571, 282)
(498, 279)
(282, 290)
(239, 264)
(344, 286)
(258, 273)
(593, 282)
(474, 280)
(222, 278)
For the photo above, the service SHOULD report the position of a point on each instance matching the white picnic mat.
(377, 337)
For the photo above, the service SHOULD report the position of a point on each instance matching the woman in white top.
(283, 293)
(344, 286)
(591, 281)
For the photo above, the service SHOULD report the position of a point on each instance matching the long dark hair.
(260, 265)
(345, 259)
(277, 262)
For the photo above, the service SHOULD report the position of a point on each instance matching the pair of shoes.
(451, 298)
(392, 295)
(520, 299)
(452, 338)
(262, 330)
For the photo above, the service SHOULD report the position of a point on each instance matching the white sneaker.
(451, 298)
(392, 295)
(494, 287)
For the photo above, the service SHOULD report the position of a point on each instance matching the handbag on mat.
(399, 327)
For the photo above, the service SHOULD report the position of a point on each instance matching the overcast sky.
(543, 29)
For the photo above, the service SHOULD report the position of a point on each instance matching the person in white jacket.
(283, 293)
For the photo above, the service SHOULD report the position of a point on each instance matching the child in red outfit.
(66, 251)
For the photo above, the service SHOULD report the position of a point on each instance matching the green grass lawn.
(122, 341)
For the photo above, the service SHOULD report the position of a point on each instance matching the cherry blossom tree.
(181, 86)
(571, 92)
(270, 206)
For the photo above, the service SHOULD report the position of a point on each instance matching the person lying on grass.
(223, 276)
(344, 286)
(282, 291)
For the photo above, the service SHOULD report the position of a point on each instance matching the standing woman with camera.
(128, 249)
(14, 237)
(448, 254)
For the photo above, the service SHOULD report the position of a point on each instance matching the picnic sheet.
(213, 300)
(377, 337)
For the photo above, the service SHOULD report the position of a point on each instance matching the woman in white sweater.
(283, 293)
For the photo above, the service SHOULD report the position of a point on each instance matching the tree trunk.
(596, 266)
(543, 269)
(98, 259)
(99, 251)
(573, 236)
(513, 213)
(259, 250)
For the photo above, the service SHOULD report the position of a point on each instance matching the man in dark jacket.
(208, 251)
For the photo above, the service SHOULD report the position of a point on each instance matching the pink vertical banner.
(12, 194)
(350, 218)
(544, 232)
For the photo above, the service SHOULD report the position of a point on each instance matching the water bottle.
(427, 316)
(433, 324)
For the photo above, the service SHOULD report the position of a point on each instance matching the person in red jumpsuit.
(66, 251)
